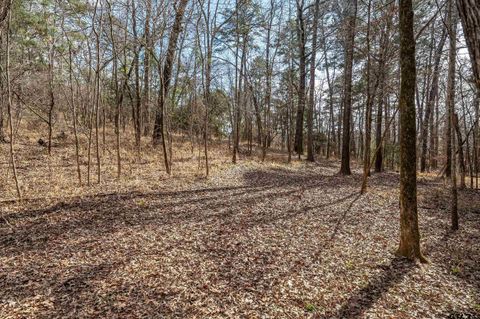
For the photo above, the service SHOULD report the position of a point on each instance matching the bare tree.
(9, 105)
(301, 39)
(350, 21)
(369, 106)
(311, 102)
(382, 69)
(165, 72)
(431, 99)
(147, 69)
(451, 170)
(72, 102)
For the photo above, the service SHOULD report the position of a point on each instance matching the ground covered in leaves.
(255, 240)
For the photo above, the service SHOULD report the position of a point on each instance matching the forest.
(239, 159)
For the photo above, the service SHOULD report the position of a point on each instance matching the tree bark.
(311, 102)
(347, 95)
(368, 111)
(302, 78)
(385, 41)
(450, 99)
(146, 70)
(409, 246)
(461, 157)
(137, 106)
(469, 11)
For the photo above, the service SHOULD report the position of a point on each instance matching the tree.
(431, 99)
(409, 246)
(301, 41)
(450, 101)
(72, 101)
(165, 72)
(331, 134)
(9, 105)
(350, 20)
(146, 69)
(4, 10)
(368, 111)
(469, 11)
(51, 78)
(382, 68)
(311, 102)
(137, 106)
(269, 62)
(209, 16)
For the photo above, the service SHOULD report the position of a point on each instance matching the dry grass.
(253, 241)
(55, 176)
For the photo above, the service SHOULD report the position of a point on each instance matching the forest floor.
(255, 240)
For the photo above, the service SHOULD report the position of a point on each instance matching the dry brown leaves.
(254, 241)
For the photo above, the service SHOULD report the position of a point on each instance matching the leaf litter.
(254, 241)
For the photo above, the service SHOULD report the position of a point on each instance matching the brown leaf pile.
(254, 241)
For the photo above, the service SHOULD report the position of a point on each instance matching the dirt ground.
(253, 241)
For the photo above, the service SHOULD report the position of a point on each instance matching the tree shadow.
(94, 218)
(399, 267)
(365, 298)
(226, 212)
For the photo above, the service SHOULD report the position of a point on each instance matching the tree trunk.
(450, 99)
(331, 135)
(469, 11)
(409, 246)
(98, 34)
(302, 78)
(368, 111)
(165, 77)
(347, 95)
(137, 107)
(385, 41)
(146, 71)
(9, 108)
(432, 97)
(74, 111)
(461, 158)
(311, 102)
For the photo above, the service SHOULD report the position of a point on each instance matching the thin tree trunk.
(461, 157)
(98, 93)
(450, 99)
(302, 78)
(146, 70)
(311, 102)
(331, 132)
(368, 111)
(74, 111)
(9, 108)
(347, 98)
(52, 100)
(165, 77)
(432, 96)
(381, 101)
(138, 99)
(268, 100)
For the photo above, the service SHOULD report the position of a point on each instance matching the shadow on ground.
(214, 226)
